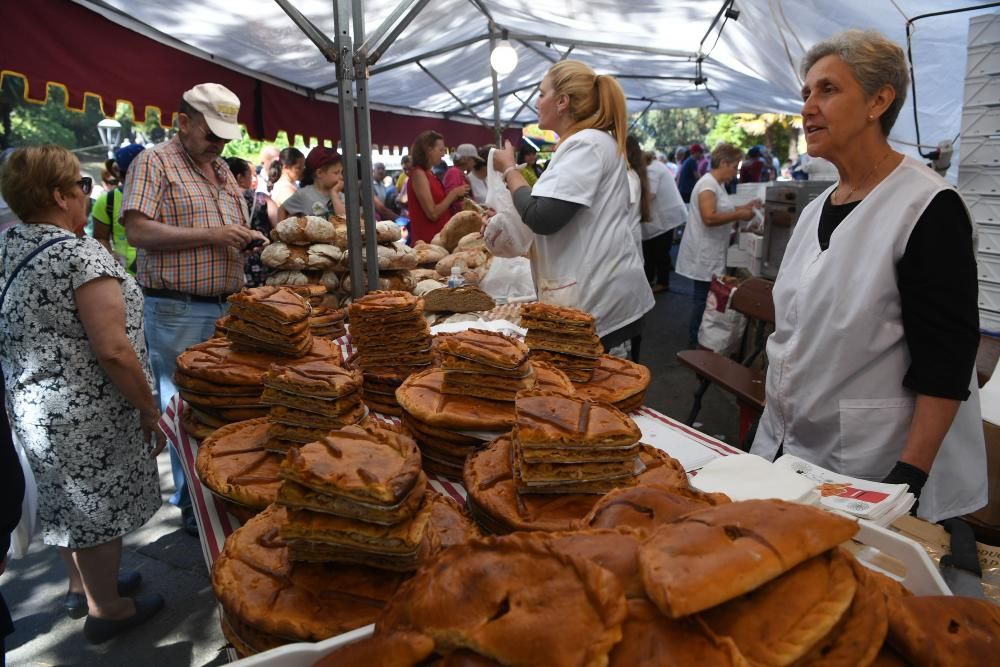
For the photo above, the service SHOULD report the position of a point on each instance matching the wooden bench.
(753, 299)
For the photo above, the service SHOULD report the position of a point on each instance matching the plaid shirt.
(165, 185)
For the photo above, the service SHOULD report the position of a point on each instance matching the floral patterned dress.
(82, 438)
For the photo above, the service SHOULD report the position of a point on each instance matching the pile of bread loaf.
(393, 341)
(305, 250)
(566, 338)
(672, 582)
(354, 515)
(568, 445)
(454, 407)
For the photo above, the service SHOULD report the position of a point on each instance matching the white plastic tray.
(881, 549)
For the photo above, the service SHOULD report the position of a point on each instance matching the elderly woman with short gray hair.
(871, 365)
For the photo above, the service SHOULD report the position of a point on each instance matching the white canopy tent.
(432, 56)
(654, 46)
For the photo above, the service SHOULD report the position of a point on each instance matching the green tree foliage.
(51, 122)
(666, 129)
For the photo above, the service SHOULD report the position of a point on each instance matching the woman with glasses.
(77, 391)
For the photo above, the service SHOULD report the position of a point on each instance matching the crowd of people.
(871, 363)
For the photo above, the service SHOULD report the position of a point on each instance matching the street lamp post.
(110, 131)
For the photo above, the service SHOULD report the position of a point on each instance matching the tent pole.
(525, 103)
(315, 35)
(455, 97)
(342, 13)
(383, 37)
(365, 142)
(496, 91)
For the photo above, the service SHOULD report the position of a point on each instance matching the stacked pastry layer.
(308, 401)
(567, 444)
(269, 319)
(486, 364)
(357, 495)
(222, 384)
(393, 340)
(328, 322)
(620, 382)
(564, 337)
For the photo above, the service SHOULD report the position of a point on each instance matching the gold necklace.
(865, 180)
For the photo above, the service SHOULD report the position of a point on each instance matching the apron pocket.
(872, 435)
(559, 292)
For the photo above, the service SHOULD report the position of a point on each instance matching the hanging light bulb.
(503, 59)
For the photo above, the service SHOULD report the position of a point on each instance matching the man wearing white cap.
(185, 213)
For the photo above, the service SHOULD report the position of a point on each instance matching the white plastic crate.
(984, 30)
(982, 91)
(989, 238)
(980, 121)
(989, 295)
(983, 209)
(983, 61)
(979, 181)
(980, 152)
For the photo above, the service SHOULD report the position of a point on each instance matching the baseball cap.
(466, 150)
(320, 157)
(697, 148)
(219, 105)
(125, 155)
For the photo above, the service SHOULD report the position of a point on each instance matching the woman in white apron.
(583, 254)
(711, 217)
(871, 365)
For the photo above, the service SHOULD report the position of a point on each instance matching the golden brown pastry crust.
(268, 305)
(736, 546)
(651, 639)
(198, 386)
(216, 362)
(328, 407)
(421, 395)
(401, 539)
(858, 638)
(555, 318)
(234, 463)
(782, 620)
(292, 417)
(297, 496)
(366, 463)
(646, 507)
(195, 428)
(496, 505)
(257, 584)
(550, 378)
(588, 345)
(944, 630)
(521, 584)
(616, 550)
(548, 419)
(615, 380)
(320, 378)
(489, 348)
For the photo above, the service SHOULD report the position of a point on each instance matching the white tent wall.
(752, 67)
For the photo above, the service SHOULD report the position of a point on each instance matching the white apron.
(838, 355)
(703, 249)
(593, 263)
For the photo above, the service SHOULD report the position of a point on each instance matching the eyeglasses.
(86, 184)
(214, 138)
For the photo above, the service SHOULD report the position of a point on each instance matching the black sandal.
(99, 630)
(75, 604)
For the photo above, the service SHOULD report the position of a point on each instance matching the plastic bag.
(21, 538)
(721, 326)
(506, 235)
(509, 280)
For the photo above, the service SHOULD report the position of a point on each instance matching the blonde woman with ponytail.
(583, 254)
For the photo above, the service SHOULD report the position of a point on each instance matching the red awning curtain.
(60, 42)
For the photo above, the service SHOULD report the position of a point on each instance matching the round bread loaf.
(532, 605)
(234, 464)
(260, 587)
(616, 380)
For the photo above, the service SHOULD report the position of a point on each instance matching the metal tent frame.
(355, 65)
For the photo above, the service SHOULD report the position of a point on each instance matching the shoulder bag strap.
(27, 258)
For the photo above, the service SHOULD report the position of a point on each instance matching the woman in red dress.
(429, 204)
